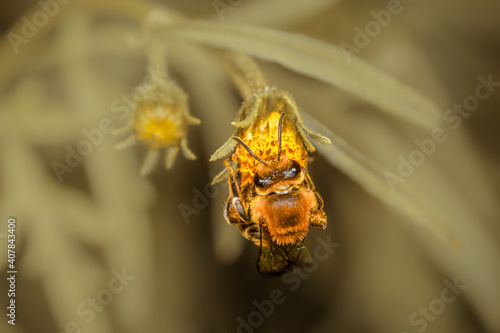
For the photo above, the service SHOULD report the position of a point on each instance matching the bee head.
(284, 171)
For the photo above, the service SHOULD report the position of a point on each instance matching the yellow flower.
(160, 121)
(159, 125)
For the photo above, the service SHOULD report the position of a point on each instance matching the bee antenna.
(235, 138)
(279, 134)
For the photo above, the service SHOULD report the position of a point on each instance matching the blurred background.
(101, 249)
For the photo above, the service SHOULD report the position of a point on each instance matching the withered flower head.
(160, 121)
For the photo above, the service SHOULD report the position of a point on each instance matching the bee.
(272, 199)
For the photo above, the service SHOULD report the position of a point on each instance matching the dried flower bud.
(160, 121)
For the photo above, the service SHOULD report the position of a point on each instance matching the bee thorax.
(287, 215)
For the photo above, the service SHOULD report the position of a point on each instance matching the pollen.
(159, 125)
(262, 138)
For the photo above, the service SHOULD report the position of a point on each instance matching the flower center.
(159, 126)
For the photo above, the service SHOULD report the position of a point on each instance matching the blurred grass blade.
(370, 176)
(473, 255)
(277, 13)
(317, 59)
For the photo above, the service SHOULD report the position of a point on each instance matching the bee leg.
(234, 189)
(318, 219)
(251, 232)
(235, 212)
(233, 215)
(248, 229)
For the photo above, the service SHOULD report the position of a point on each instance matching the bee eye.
(292, 171)
(262, 182)
(277, 175)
